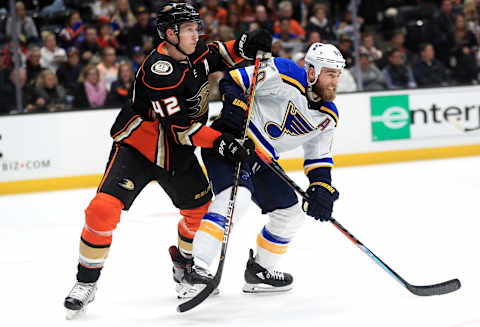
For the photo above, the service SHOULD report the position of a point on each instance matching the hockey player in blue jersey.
(292, 107)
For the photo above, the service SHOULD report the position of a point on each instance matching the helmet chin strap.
(312, 95)
(177, 46)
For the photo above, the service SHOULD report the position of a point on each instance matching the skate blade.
(265, 288)
(185, 292)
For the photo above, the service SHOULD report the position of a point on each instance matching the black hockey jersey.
(166, 118)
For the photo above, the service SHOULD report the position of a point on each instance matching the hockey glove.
(322, 196)
(229, 147)
(249, 43)
(233, 117)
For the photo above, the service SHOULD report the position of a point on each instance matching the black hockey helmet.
(172, 15)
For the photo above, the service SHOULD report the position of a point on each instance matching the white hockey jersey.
(282, 117)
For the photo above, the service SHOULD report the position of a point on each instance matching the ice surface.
(421, 218)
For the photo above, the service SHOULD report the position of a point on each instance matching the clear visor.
(190, 28)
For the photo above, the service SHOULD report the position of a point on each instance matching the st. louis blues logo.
(293, 124)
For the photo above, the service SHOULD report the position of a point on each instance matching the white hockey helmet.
(323, 55)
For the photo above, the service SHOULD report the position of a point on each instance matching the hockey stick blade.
(427, 290)
(437, 289)
(199, 298)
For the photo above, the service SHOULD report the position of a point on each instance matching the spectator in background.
(9, 51)
(138, 56)
(102, 9)
(372, 77)
(234, 22)
(120, 89)
(225, 33)
(4, 80)
(290, 41)
(69, 34)
(106, 38)
(4, 71)
(122, 20)
(108, 67)
(444, 38)
(271, 9)
(397, 74)
(33, 64)
(247, 15)
(51, 55)
(472, 16)
(345, 25)
(68, 72)
(142, 33)
(285, 10)
(464, 63)
(318, 22)
(210, 26)
(312, 37)
(91, 91)
(49, 95)
(428, 71)
(8, 99)
(299, 59)
(277, 48)
(26, 29)
(261, 17)
(397, 42)
(345, 47)
(89, 48)
(369, 48)
(218, 12)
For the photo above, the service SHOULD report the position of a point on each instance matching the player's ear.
(311, 74)
(170, 33)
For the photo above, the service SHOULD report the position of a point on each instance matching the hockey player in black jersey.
(154, 137)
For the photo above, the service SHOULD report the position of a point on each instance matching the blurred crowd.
(76, 54)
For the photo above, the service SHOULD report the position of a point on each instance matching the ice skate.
(261, 280)
(78, 298)
(187, 289)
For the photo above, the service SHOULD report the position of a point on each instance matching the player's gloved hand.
(322, 196)
(249, 43)
(229, 147)
(233, 116)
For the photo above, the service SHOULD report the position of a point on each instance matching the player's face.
(327, 82)
(189, 37)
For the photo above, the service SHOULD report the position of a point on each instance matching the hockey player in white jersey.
(292, 107)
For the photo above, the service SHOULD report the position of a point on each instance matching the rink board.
(40, 152)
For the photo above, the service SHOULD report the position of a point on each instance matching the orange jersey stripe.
(145, 139)
(108, 169)
(231, 51)
(205, 137)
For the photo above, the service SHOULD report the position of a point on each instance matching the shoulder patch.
(162, 68)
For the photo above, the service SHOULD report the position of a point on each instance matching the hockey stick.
(213, 284)
(426, 290)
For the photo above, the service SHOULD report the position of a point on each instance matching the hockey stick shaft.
(209, 288)
(436, 289)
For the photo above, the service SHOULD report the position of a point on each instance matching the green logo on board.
(390, 117)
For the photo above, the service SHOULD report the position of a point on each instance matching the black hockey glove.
(249, 43)
(322, 196)
(233, 117)
(229, 147)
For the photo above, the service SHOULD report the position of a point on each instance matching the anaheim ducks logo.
(293, 124)
(162, 68)
(198, 104)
